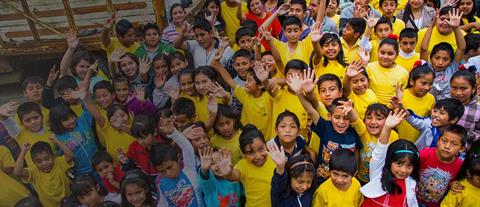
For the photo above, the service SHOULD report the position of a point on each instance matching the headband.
(406, 151)
(300, 163)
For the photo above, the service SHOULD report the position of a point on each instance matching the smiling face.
(256, 153)
(422, 85)
(374, 123)
(121, 116)
(128, 39)
(178, 15)
(104, 168)
(442, 25)
(329, 91)
(388, 8)
(32, 121)
(33, 92)
(92, 198)
(256, 7)
(332, 8)
(465, 6)
(187, 85)
(401, 169)
(301, 183)
(241, 66)
(152, 37)
(121, 91)
(461, 90)
(440, 118)
(269, 63)
(250, 83)
(128, 67)
(213, 8)
(81, 68)
(135, 195)
(200, 142)
(416, 4)
(387, 55)
(359, 84)
(160, 67)
(176, 65)
(287, 130)
(201, 83)
(331, 49)
(44, 161)
(69, 123)
(340, 121)
(103, 97)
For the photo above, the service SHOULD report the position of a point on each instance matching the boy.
(382, 28)
(125, 36)
(342, 188)
(184, 111)
(32, 88)
(48, 175)
(407, 55)
(350, 39)
(473, 46)
(389, 8)
(358, 9)
(244, 39)
(13, 191)
(242, 62)
(65, 85)
(228, 10)
(103, 94)
(440, 165)
(111, 174)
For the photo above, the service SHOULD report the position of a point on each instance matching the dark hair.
(458, 130)
(153, 26)
(473, 42)
(120, 79)
(343, 160)
(142, 126)
(57, 115)
(398, 151)
(101, 156)
(381, 2)
(227, 111)
(175, 5)
(161, 153)
(291, 20)
(217, 2)
(250, 1)
(295, 167)
(408, 33)
(26, 108)
(302, 3)
(31, 201)
(443, 46)
(357, 24)
(336, 103)
(78, 55)
(184, 106)
(419, 72)
(211, 73)
(40, 147)
(468, 76)
(471, 164)
(131, 56)
(108, 204)
(202, 24)
(103, 84)
(175, 55)
(70, 201)
(123, 26)
(295, 64)
(331, 37)
(383, 20)
(452, 106)
(84, 184)
(471, 15)
(242, 53)
(250, 25)
(243, 31)
(66, 82)
(140, 179)
(32, 80)
(377, 108)
(186, 71)
(114, 107)
(285, 114)
(248, 135)
(330, 77)
(389, 41)
(251, 72)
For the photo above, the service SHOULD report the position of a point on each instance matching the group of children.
(257, 103)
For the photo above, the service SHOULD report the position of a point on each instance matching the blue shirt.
(178, 191)
(216, 191)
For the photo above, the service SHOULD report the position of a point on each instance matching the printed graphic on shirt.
(78, 138)
(178, 192)
(366, 156)
(328, 150)
(433, 184)
(230, 200)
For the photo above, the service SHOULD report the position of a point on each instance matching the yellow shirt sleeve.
(6, 158)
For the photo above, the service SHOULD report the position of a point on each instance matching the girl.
(382, 30)
(470, 23)
(332, 11)
(177, 62)
(136, 190)
(356, 81)
(417, 14)
(215, 9)
(462, 88)
(161, 68)
(393, 169)
(329, 48)
(177, 22)
(89, 193)
(152, 45)
(417, 98)
(388, 8)
(255, 171)
(271, 6)
(129, 66)
(293, 181)
(227, 130)
(288, 137)
(134, 100)
(385, 75)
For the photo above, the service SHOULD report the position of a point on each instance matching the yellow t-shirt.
(201, 107)
(232, 23)
(302, 52)
(383, 81)
(336, 19)
(398, 26)
(32, 138)
(421, 106)
(473, 30)
(256, 111)
(332, 67)
(257, 182)
(235, 48)
(468, 197)
(45, 114)
(407, 63)
(284, 100)
(51, 187)
(435, 39)
(369, 142)
(13, 191)
(77, 109)
(230, 144)
(99, 129)
(115, 43)
(362, 101)
(330, 196)
(115, 139)
(374, 52)
(350, 53)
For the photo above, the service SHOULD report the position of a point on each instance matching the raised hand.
(193, 132)
(206, 156)
(266, 33)
(370, 19)
(166, 125)
(72, 39)
(359, 11)
(224, 167)
(347, 106)
(451, 3)
(294, 81)
(455, 18)
(139, 92)
(25, 147)
(173, 92)
(364, 54)
(93, 67)
(260, 71)
(159, 80)
(122, 157)
(8, 109)
(110, 22)
(277, 155)
(308, 82)
(217, 90)
(144, 65)
(283, 9)
(355, 68)
(52, 76)
(117, 54)
(394, 118)
(212, 104)
(316, 33)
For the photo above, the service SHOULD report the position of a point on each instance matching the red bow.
(417, 63)
(393, 36)
(462, 67)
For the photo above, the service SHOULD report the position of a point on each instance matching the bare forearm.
(105, 36)
(65, 63)
(347, 86)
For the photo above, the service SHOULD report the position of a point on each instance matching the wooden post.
(69, 13)
(159, 9)
(31, 24)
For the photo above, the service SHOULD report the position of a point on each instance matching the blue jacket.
(281, 194)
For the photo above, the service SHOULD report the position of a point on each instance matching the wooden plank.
(19, 34)
(31, 24)
(69, 13)
(43, 47)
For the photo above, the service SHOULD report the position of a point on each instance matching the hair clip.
(393, 36)
(472, 68)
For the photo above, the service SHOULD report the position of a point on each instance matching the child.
(439, 166)
(444, 56)
(103, 95)
(351, 34)
(393, 169)
(255, 171)
(137, 190)
(216, 190)
(332, 12)
(407, 55)
(356, 80)
(472, 50)
(177, 185)
(293, 181)
(389, 8)
(463, 88)
(134, 69)
(89, 193)
(64, 85)
(125, 36)
(177, 62)
(242, 62)
(134, 100)
(382, 28)
(48, 176)
(177, 21)
(184, 111)
(228, 10)
(13, 191)
(153, 46)
(417, 98)
(329, 48)
(110, 173)
(470, 21)
(227, 130)
(162, 73)
(469, 177)
(244, 39)
(342, 188)
(32, 88)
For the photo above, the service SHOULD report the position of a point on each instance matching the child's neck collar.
(406, 55)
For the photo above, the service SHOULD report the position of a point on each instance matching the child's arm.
(67, 152)
(167, 128)
(349, 110)
(180, 42)
(144, 67)
(48, 97)
(82, 94)
(72, 42)
(454, 22)
(212, 112)
(299, 85)
(316, 35)
(355, 68)
(262, 74)
(107, 26)
(19, 169)
(393, 119)
(6, 113)
(321, 12)
(280, 178)
(219, 66)
(365, 40)
(267, 35)
(226, 169)
(282, 10)
(205, 162)
(426, 40)
(240, 16)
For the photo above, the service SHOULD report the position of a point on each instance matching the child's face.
(250, 84)
(104, 168)
(448, 146)
(416, 3)
(383, 30)
(341, 180)
(152, 37)
(121, 116)
(245, 42)
(178, 14)
(160, 67)
(176, 65)
(128, 67)
(340, 121)
(329, 91)
(147, 141)
(225, 126)
(296, 10)
(301, 183)
(422, 85)
(186, 84)
(67, 99)
(33, 92)
(103, 97)
(33, 121)
(374, 123)
(292, 32)
(407, 44)
(256, 153)
(331, 49)
(359, 84)
(182, 121)
(44, 161)
(200, 142)
(461, 90)
(348, 32)
(135, 195)
(170, 169)
(269, 63)
(387, 55)
(92, 198)
(388, 8)
(440, 60)
(332, 7)
(465, 6)
(442, 24)
(256, 7)
(81, 68)
(241, 66)
(128, 38)
(361, 3)
(213, 8)
(401, 169)
(216, 160)
(69, 123)
(121, 91)
(440, 117)
(287, 130)
(204, 38)
(201, 83)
